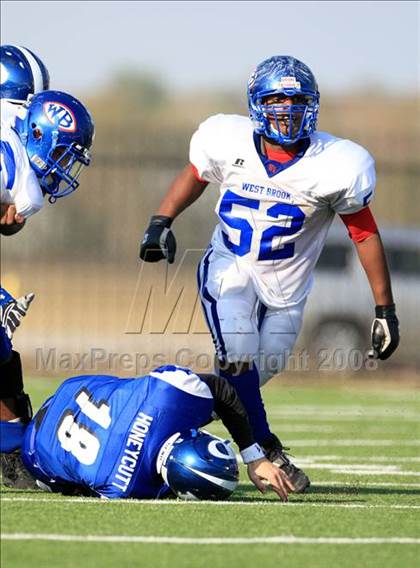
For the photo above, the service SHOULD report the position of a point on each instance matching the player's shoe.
(274, 451)
(14, 473)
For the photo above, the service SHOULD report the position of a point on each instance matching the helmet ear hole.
(36, 132)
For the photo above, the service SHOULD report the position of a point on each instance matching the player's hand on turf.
(158, 241)
(12, 311)
(385, 334)
(263, 470)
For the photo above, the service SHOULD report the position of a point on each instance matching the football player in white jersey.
(22, 74)
(42, 154)
(281, 183)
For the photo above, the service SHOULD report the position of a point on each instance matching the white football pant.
(243, 329)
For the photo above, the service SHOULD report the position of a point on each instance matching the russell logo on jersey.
(60, 115)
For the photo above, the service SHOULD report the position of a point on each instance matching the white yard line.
(356, 442)
(322, 429)
(309, 426)
(286, 539)
(165, 503)
(317, 458)
(323, 411)
(356, 468)
(308, 418)
(357, 484)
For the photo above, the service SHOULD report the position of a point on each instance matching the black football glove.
(385, 332)
(158, 241)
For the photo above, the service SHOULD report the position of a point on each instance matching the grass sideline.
(358, 443)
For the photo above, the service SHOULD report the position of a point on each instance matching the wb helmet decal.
(57, 133)
(61, 116)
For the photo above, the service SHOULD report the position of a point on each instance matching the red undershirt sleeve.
(360, 225)
(196, 174)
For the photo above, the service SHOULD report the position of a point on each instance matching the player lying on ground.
(281, 183)
(120, 438)
(45, 139)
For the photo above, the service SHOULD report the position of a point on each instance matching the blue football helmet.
(57, 133)
(22, 73)
(283, 123)
(198, 466)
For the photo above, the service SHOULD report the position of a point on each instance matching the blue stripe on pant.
(211, 314)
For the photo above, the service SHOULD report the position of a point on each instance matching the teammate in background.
(281, 183)
(22, 74)
(118, 438)
(42, 153)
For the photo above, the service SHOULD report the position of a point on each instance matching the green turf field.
(359, 444)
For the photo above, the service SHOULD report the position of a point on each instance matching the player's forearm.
(232, 413)
(372, 257)
(184, 190)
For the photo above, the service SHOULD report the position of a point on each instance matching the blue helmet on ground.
(22, 73)
(198, 466)
(283, 123)
(57, 133)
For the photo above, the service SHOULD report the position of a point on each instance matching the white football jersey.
(18, 182)
(9, 112)
(275, 224)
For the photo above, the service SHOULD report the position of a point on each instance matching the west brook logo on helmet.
(61, 115)
(288, 83)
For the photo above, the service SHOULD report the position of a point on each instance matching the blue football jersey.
(103, 433)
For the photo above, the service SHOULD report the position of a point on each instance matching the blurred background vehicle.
(339, 311)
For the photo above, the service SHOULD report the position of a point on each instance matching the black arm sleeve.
(230, 410)
(11, 383)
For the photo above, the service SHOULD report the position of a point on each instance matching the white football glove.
(385, 334)
(12, 312)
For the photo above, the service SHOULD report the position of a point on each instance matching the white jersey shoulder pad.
(347, 170)
(212, 142)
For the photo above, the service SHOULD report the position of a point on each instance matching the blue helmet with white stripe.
(22, 73)
(198, 466)
(57, 133)
(283, 76)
